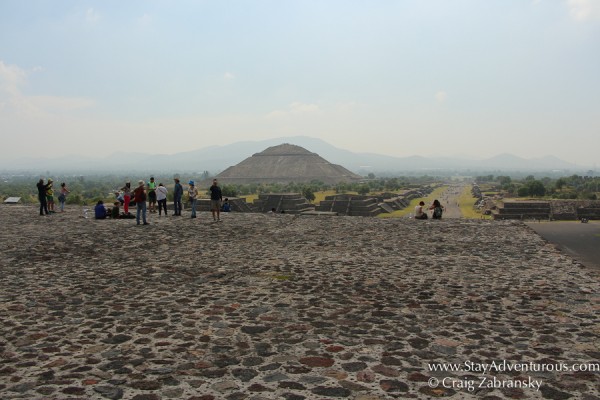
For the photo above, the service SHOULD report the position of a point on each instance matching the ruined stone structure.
(284, 164)
(369, 206)
(350, 204)
(291, 203)
(552, 209)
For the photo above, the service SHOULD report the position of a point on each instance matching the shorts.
(50, 199)
(152, 195)
(215, 204)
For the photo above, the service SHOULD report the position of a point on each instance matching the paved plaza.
(282, 307)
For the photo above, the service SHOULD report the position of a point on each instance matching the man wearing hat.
(139, 196)
(192, 194)
(177, 195)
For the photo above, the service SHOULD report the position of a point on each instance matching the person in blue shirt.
(177, 196)
(100, 210)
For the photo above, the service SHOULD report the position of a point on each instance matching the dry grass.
(413, 203)
(466, 202)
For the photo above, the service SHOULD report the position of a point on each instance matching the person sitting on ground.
(100, 210)
(419, 213)
(114, 213)
(226, 206)
(120, 198)
(437, 208)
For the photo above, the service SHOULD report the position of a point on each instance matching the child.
(114, 214)
(226, 206)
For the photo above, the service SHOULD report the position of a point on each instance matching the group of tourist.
(146, 196)
(46, 196)
(436, 207)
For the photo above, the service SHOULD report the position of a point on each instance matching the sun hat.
(140, 183)
(190, 182)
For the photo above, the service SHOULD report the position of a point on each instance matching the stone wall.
(291, 203)
(552, 209)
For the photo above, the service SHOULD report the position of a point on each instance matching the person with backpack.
(438, 209)
(139, 196)
(177, 196)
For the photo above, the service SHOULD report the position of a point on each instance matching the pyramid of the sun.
(283, 164)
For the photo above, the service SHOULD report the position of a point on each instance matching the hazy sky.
(401, 77)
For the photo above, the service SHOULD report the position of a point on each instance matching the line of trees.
(571, 187)
(90, 189)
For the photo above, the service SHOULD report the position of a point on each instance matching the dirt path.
(449, 200)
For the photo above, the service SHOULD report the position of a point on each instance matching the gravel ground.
(283, 307)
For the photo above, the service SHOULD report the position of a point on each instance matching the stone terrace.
(285, 307)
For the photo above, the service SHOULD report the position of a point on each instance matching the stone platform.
(286, 307)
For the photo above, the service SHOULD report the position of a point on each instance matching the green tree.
(308, 193)
(523, 191)
(536, 188)
(363, 189)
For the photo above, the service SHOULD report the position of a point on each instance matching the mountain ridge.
(218, 158)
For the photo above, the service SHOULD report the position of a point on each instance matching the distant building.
(286, 163)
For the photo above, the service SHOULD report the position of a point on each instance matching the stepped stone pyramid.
(283, 164)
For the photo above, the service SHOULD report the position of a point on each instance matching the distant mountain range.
(217, 158)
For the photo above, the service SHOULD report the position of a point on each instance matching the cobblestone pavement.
(278, 307)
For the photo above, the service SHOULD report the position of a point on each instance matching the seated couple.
(437, 208)
(101, 212)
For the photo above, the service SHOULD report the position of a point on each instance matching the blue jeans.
(141, 207)
(194, 208)
(177, 205)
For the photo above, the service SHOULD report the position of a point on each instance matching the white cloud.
(12, 100)
(295, 109)
(91, 16)
(582, 10)
(11, 77)
(145, 20)
(441, 96)
(228, 76)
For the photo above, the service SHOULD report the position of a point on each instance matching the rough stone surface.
(270, 307)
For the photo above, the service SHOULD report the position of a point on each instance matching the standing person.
(215, 201)
(438, 210)
(419, 213)
(192, 194)
(50, 196)
(139, 196)
(161, 197)
(152, 194)
(177, 195)
(126, 197)
(42, 197)
(62, 197)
